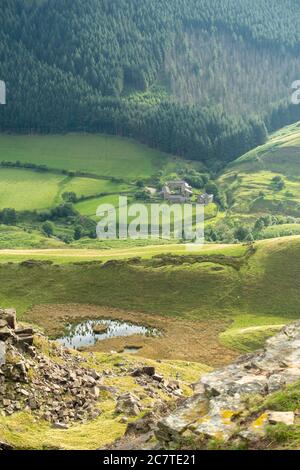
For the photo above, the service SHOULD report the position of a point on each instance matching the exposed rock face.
(10, 317)
(220, 395)
(150, 371)
(128, 404)
(143, 425)
(10, 330)
(60, 390)
(56, 384)
(287, 418)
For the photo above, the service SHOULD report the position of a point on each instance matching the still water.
(83, 334)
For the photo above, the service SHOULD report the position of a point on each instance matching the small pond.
(89, 332)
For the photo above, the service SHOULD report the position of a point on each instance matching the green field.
(22, 189)
(113, 161)
(89, 207)
(27, 190)
(90, 186)
(98, 154)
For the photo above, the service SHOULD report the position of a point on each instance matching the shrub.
(8, 216)
(48, 228)
(241, 233)
(277, 183)
(69, 196)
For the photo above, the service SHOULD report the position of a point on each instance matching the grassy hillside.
(267, 181)
(22, 238)
(27, 190)
(98, 154)
(89, 207)
(279, 154)
(110, 164)
(107, 251)
(236, 289)
(90, 186)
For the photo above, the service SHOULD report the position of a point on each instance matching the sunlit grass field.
(22, 189)
(27, 190)
(73, 255)
(264, 284)
(99, 154)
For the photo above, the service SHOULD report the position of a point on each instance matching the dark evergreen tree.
(115, 67)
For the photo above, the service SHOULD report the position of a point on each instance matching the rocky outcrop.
(60, 390)
(56, 384)
(128, 404)
(10, 330)
(220, 397)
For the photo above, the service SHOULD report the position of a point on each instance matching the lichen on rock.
(226, 392)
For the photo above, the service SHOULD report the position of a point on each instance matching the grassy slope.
(107, 156)
(252, 174)
(89, 207)
(19, 238)
(264, 291)
(90, 186)
(99, 154)
(27, 190)
(31, 190)
(120, 252)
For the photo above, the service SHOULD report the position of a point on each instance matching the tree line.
(79, 66)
